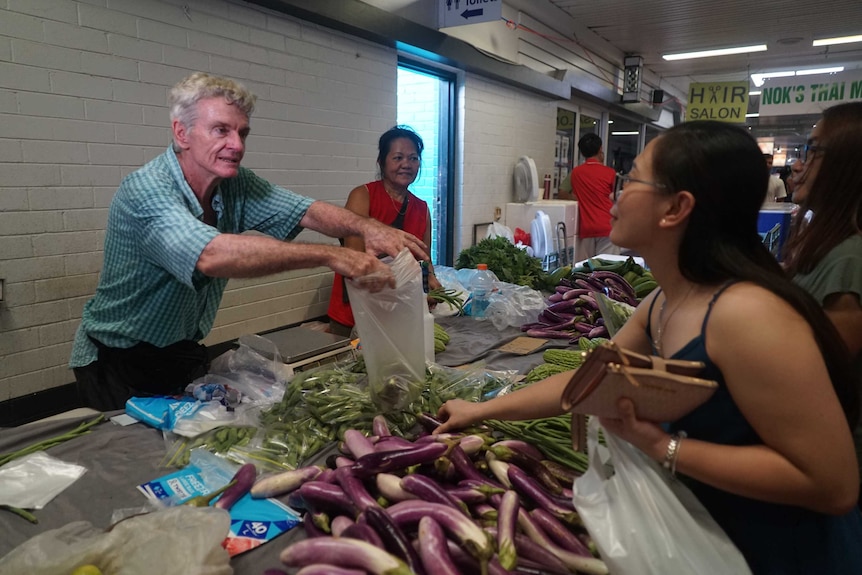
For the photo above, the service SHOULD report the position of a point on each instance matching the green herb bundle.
(511, 264)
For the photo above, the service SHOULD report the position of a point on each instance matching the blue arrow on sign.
(467, 14)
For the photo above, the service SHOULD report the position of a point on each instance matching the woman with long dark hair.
(824, 253)
(770, 455)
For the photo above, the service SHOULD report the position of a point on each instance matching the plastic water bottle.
(481, 286)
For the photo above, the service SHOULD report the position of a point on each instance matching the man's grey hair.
(189, 91)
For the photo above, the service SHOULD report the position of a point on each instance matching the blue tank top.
(775, 539)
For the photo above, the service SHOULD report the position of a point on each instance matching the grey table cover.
(118, 459)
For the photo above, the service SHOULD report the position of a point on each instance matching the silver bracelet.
(672, 452)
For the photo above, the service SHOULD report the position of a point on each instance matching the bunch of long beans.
(552, 435)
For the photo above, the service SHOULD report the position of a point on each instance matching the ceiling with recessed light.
(652, 28)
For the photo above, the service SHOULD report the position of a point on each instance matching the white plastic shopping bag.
(390, 323)
(642, 521)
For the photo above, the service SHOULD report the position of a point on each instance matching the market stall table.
(119, 458)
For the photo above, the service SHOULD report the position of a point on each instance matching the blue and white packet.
(253, 522)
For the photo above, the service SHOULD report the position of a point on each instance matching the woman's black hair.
(721, 242)
(385, 142)
(835, 195)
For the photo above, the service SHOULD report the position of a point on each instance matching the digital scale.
(302, 348)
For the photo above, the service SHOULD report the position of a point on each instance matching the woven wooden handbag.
(663, 390)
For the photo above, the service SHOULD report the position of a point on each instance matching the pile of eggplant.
(435, 505)
(573, 311)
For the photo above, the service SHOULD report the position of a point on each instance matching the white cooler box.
(521, 215)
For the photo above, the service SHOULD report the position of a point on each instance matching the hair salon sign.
(809, 94)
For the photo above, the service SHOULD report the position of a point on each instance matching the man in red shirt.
(592, 186)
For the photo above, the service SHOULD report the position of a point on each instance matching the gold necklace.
(662, 322)
(400, 210)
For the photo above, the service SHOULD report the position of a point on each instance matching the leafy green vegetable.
(510, 264)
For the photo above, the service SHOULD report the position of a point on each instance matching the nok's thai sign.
(809, 94)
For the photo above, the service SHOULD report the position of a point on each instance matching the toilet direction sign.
(461, 12)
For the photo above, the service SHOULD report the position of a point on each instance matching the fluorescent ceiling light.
(719, 52)
(752, 115)
(754, 93)
(624, 133)
(838, 40)
(820, 71)
(759, 79)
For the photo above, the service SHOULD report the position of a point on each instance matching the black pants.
(139, 371)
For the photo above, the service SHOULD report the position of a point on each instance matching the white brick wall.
(83, 92)
(500, 125)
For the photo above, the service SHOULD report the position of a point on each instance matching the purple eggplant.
(470, 535)
(484, 486)
(473, 443)
(426, 489)
(343, 552)
(326, 476)
(469, 564)
(529, 550)
(312, 530)
(243, 480)
(507, 523)
(580, 563)
(558, 532)
(523, 446)
(327, 569)
(464, 466)
(555, 297)
(428, 422)
(281, 483)
(357, 444)
(379, 426)
(354, 488)
(500, 470)
(532, 465)
(317, 495)
(339, 523)
(394, 539)
(584, 327)
(392, 443)
(389, 486)
(576, 293)
(598, 331)
(363, 532)
(386, 461)
(485, 512)
(531, 489)
(467, 495)
(528, 567)
(433, 549)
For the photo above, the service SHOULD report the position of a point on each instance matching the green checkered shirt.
(149, 289)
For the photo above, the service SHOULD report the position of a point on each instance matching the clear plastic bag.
(175, 541)
(645, 523)
(390, 326)
(514, 305)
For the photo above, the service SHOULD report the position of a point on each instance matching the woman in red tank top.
(389, 201)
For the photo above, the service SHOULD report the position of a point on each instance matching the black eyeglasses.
(622, 179)
(811, 150)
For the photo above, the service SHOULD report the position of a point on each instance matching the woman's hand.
(457, 414)
(646, 436)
